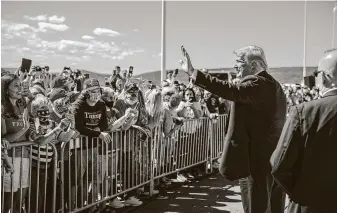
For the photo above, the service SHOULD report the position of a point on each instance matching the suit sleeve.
(286, 155)
(249, 90)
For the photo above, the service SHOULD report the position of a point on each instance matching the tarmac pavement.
(211, 194)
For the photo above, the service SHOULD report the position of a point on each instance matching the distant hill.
(282, 74)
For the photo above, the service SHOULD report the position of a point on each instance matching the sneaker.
(181, 178)
(116, 203)
(154, 192)
(166, 181)
(188, 175)
(133, 201)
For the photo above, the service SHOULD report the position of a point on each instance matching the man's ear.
(253, 65)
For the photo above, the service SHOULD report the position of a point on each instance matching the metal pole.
(163, 50)
(334, 24)
(305, 40)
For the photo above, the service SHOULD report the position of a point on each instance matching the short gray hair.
(253, 53)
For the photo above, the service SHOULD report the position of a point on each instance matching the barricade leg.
(15, 185)
(210, 146)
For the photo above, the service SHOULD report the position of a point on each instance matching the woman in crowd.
(199, 96)
(134, 150)
(14, 126)
(153, 106)
(189, 109)
(213, 104)
(170, 124)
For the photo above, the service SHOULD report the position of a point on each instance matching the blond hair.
(252, 54)
(40, 101)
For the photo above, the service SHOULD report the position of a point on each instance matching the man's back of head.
(326, 75)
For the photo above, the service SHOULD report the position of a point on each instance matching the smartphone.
(178, 122)
(131, 69)
(26, 64)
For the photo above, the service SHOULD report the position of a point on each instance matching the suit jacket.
(305, 161)
(255, 124)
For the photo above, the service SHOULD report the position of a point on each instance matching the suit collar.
(330, 92)
(262, 73)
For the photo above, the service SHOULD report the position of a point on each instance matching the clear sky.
(100, 35)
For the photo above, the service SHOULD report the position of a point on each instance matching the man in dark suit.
(305, 161)
(257, 116)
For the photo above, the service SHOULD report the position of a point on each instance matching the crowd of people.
(297, 94)
(52, 110)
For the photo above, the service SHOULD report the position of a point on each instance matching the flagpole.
(305, 41)
(163, 49)
(334, 24)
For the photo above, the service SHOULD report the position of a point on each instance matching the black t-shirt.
(88, 118)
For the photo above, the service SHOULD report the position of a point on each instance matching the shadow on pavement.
(211, 194)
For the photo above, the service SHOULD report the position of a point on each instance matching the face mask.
(174, 102)
(94, 97)
(60, 107)
(109, 104)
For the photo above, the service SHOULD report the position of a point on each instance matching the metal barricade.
(187, 147)
(219, 128)
(90, 172)
(93, 172)
(31, 187)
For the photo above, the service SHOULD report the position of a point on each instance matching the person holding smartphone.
(169, 74)
(48, 77)
(130, 72)
(131, 101)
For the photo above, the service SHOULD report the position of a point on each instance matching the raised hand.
(186, 64)
(64, 123)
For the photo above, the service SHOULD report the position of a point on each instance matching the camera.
(38, 69)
